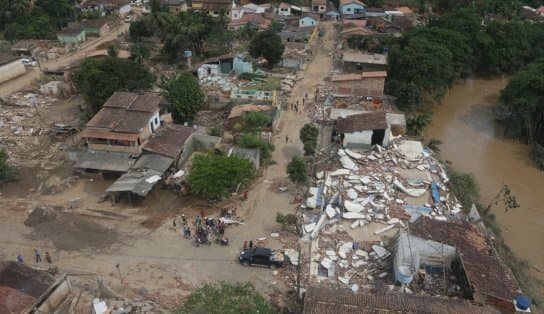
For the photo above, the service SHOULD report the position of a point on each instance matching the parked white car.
(29, 62)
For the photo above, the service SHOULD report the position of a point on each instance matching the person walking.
(38, 256)
(20, 258)
(245, 196)
(48, 258)
(183, 219)
(174, 223)
(250, 244)
(245, 244)
(286, 138)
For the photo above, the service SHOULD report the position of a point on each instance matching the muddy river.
(473, 142)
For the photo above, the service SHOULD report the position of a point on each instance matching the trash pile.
(372, 193)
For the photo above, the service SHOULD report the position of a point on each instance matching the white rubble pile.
(370, 187)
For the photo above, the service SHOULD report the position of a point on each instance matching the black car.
(261, 256)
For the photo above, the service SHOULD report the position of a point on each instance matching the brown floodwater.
(473, 142)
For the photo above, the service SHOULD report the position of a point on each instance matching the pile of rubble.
(23, 132)
(373, 193)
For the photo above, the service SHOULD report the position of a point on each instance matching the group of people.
(203, 227)
(37, 256)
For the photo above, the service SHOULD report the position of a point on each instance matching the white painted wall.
(11, 70)
(155, 121)
(358, 138)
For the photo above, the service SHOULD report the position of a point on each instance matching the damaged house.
(438, 243)
(366, 84)
(364, 130)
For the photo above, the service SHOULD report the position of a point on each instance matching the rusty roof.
(169, 140)
(126, 112)
(217, 5)
(21, 286)
(323, 300)
(346, 77)
(374, 74)
(361, 122)
(485, 271)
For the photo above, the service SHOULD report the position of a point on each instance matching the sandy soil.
(158, 263)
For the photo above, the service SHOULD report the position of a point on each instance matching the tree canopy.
(255, 121)
(297, 170)
(308, 135)
(98, 79)
(268, 45)
(214, 176)
(223, 298)
(7, 172)
(185, 98)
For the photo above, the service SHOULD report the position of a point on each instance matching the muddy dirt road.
(160, 264)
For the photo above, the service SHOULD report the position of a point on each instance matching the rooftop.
(361, 122)
(7, 58)
(374, 74)
(357, 30)
(72, 30)
(484, 269)
(126, 112)
(21, 286)
(169, 140)
(321, 300)
(95, 23)
(217, 5)
(346, 77)
(359, 57)
(345, 2)
(103, 160)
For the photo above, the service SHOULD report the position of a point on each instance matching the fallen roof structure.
(321, 300)
(104, 161)
(490, 280)
(137, 181)
(24, 289)
(363, 121)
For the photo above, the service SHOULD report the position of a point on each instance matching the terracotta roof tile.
(361, 122)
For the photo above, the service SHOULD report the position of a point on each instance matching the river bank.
(473, 142)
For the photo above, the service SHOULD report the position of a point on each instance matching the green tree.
(308, 135)
(223, 298)
(255, 121)
(61, 11)
(184, 96)
(464, 186)
(254, 141)
(142, 27)
(275, 27)
(297, 170)
(7, 172)
(214, 176)
(267, 44)
(113, 51)
(140, 52)
(98, 79)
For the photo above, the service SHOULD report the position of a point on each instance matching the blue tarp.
(436, 195)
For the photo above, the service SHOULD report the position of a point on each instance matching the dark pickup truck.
(261, 256)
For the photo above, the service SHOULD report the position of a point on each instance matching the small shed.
(364, 130)
(96, 27)
(73, 34)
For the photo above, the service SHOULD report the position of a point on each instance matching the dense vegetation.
(521, 108)
(426, 61)
(225, 298)
(254, 141)
(98, 79)
(297, 170)
(308, 136)
(184, 96)
(199, 32)
(268, 45)
(215, 176)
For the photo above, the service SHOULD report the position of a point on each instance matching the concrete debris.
(384, 229)
(345, 249)
(293, 256)
(353, 154)
(330, 211)
(410, 192)
(309, 227)
(380, 251)
(351, 215)
(353, 207)
(326, 262)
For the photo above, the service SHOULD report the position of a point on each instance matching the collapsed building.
(384, 208)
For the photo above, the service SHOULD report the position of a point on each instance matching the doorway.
(377, 137)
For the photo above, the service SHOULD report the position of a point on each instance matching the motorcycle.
(222, 241)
